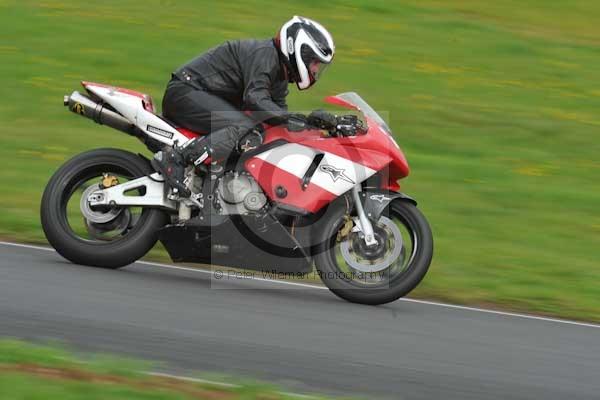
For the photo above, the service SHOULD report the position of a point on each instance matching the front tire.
(136, 234)
(384, 286)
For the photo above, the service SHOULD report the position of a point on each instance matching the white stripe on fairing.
(295, 159)
(355, 171)
(291, 157)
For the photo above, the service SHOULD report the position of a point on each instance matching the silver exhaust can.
(86, 107)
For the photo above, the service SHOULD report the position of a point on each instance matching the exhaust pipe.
(86, 107)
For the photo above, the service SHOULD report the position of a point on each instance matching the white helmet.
(307, 48)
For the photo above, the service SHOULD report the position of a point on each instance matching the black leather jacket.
(247, 73)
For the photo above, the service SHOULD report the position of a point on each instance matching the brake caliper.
(109, 181)
(346, 228)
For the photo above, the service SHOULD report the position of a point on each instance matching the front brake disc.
(350, 256)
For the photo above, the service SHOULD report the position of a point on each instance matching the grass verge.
(29, 371)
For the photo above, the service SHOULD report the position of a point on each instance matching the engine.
(238, 193)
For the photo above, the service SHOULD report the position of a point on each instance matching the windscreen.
(365, 108)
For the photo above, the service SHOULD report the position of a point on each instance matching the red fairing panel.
(398, 167)
(347, 161)
(282, 168)
(359, 149)
(270, 177)
(356, 148)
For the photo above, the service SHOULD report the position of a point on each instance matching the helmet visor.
(316, 68)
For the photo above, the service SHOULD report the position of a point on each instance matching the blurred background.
(495, 104)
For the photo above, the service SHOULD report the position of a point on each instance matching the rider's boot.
(171, 163)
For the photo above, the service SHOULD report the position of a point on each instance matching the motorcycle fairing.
(237, 241)
(346, 162)
(398, 166)
(283, 168)
(137, 107)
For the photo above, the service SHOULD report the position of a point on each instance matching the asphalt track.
(302, 338)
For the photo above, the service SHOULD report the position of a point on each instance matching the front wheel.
(382, 273)
(109, 238)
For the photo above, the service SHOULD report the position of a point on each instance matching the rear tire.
(106, 254)
(398, 285)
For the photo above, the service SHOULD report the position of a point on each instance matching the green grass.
(494, 103)
(30, 372)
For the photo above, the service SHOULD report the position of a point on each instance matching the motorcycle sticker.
(379, 197)
(336, 173)
(161, 132)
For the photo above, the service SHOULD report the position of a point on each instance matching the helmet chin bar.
(311, 82)
(305, 81)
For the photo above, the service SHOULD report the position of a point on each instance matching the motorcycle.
(287, 199)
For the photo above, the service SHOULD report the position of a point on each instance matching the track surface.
(305, 339)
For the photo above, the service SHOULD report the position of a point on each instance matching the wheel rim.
(392, 264)
(379, 257)
(97, 226)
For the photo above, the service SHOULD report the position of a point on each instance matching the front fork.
(364, 224)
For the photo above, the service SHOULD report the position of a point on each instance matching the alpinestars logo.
(379, 197)
(336, 173)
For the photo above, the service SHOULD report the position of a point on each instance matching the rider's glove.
(322, 119)
(296, 122)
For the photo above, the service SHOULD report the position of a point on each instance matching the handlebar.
(335, 125)
(348, 125)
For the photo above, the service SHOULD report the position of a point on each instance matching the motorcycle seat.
(190, 134)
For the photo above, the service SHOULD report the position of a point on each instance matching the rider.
(209, 93)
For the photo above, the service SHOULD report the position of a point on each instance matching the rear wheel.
(381, 273)
(109, 238)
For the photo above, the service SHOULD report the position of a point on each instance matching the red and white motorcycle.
(285, 201)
